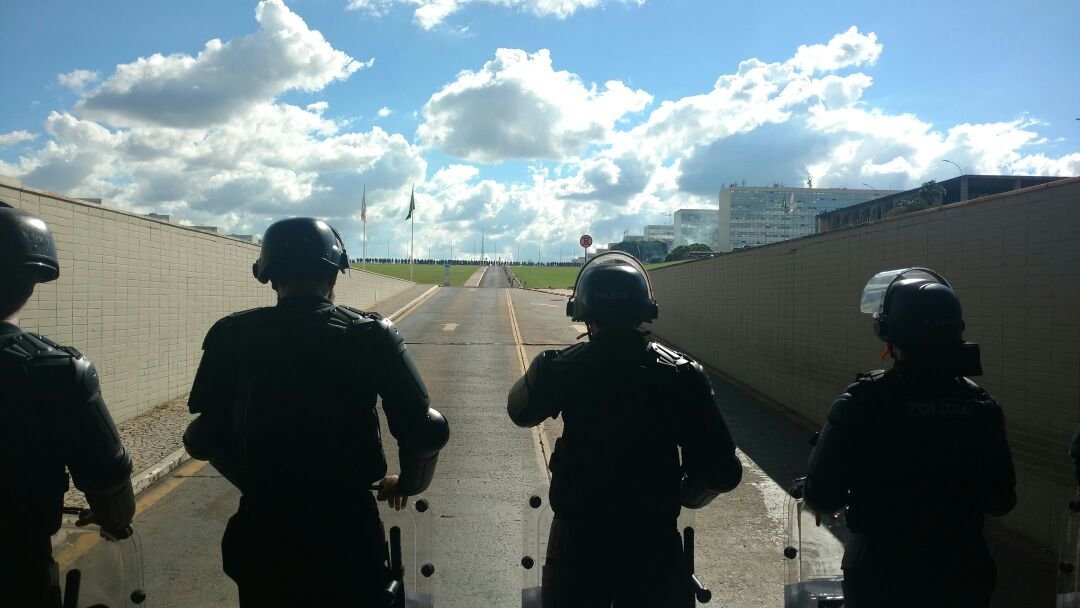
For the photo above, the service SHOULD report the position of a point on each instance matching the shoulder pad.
(351, 316)
(669, 356)
(27, 346)
(394, 338)
(219, 331)
(978, 392)
(866, 382)
(576, 352)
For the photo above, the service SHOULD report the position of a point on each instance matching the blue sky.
(598, 115)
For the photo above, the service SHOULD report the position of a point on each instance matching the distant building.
(698, 226)
(251, 238)
(665, 233)
(957, 190)
(760, 216)
(159, 216)
(213, 229)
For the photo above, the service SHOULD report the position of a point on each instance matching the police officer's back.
(287, 400)
(628, 406)
(917, 454)
(52, 416)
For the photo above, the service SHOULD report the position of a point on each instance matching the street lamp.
(955, 165)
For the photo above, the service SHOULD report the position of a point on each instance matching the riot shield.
(1068, 583)
(408, 555)
(814, 552)
(536, 523)
(95, 569)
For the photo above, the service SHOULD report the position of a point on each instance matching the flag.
(363, 206)
(412, 203)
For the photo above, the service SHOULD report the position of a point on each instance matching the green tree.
(930, 194)
(682, 252)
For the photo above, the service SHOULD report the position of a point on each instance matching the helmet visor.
(873, 295)
(615, 257)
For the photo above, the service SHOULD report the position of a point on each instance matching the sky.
(529, 122)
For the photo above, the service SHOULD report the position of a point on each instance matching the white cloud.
(384, 112)
(518, 106)
(16, 137)
(224, 80)
(78, 79)
(429, 14)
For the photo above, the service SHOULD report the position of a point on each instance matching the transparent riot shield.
(536, 523)
(408, 555)
(814, 552)
(1068, 583)
(96, 570)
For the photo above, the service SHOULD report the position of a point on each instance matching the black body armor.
(52, 416)
(916, 451)
(628, 406)
(287, 399)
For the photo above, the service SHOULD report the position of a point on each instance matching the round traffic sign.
(585, 241)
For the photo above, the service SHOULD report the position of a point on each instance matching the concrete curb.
(547, 291)
(164, 467)
(160, 470)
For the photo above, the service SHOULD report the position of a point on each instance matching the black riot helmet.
(612, 288)
(915, 309)
(300, 245)
(27, 245)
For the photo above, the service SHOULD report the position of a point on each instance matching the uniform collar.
(619, 341)
(303, 302)
(9, 328)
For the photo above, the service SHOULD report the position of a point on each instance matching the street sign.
(585, 241)
(446, 273)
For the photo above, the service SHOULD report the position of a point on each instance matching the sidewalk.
(155, 439)
(474, 280)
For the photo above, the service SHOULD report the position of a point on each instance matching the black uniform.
(918, 456)
(52, 416)
(628, 406)
(287, 396)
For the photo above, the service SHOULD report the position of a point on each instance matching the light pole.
(955, 165)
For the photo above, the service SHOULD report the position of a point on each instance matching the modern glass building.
(699, 226)
(760, 216)
(665, 233)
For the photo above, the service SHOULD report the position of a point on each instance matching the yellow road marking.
(538, 430)
(85, 542)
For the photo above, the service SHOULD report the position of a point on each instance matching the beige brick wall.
(137, 295)
(784, 319)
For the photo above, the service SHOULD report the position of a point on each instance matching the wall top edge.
(797, 242)
(136, 216)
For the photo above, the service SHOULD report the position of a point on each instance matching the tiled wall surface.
(784, 319)
(137, 295)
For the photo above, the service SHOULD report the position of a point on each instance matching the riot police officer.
(629, 405)
(286, 396)
(917, 454)
(52, 415)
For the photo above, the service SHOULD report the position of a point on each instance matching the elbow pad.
(526, 403)
(113, 509)
(419, 456)
(696, 493)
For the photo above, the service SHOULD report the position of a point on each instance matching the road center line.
(538, 430)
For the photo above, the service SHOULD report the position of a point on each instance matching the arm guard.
(528, 404)
(99, 464)
(419, 429)
(1001, 482)
(832, 460)
(710, 464)
(1074, 452)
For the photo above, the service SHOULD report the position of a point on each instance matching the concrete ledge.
(159, 470)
